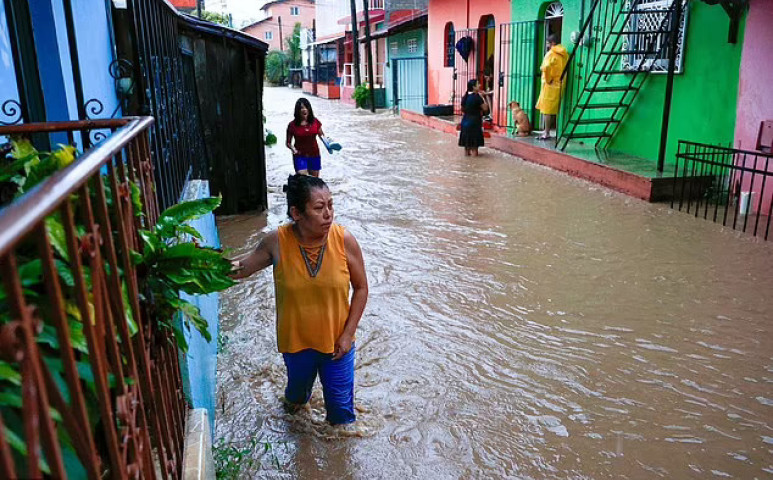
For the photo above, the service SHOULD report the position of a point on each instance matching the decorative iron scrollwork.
(11, 109)
(97, 136)
(120, 67)
(93, 108)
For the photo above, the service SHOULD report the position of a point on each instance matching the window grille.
(450, 40)
(554, 10)
(653, 21)
(413, 45)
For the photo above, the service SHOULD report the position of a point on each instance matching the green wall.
(704, 97)
(420, 34)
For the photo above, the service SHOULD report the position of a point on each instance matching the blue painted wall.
(413, 76)
(8, 90)
(95, 52)
(199, 365)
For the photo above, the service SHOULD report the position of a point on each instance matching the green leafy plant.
(277, 67)
(215, 17)
(235, 459)
(361, 94)
(270, 138)
(293, 43)
(172, 261)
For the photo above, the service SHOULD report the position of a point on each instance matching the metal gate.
(519, 57)
(465, 70)
(409, 83)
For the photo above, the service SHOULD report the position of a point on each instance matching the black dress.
(471, 135)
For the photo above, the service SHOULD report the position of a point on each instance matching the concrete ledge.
(198, 462)
(625, 182)
(622, 181)
(431, 122)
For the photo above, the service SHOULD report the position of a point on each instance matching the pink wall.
(282, 9)
(440, 78)
(755, 86)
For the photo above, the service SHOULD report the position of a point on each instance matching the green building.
(406, 69)
(615, 90)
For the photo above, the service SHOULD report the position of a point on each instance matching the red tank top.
(305, 138)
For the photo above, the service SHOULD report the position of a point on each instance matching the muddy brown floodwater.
(521, 324)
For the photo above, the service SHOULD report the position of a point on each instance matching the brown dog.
(522, 125)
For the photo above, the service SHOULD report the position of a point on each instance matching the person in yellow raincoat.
(550, 94)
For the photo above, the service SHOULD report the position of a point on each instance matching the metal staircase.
(622, 42)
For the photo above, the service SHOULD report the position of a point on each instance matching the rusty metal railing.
(100, 385)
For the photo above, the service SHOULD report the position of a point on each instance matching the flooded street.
(521, 324)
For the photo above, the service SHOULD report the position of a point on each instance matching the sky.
(246, 11)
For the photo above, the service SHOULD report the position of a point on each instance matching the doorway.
(554, 19)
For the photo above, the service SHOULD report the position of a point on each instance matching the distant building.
(279, 21)
(186, 6)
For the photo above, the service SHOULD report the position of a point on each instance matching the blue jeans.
(336, 376)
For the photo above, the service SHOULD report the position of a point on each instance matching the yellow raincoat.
(552, 66)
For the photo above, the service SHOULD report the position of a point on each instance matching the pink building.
(281, 17)
(449, 21)
(755, 97)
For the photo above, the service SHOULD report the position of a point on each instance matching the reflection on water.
(521, 324)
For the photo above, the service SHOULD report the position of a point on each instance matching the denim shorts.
(336, 376)
(307, 163)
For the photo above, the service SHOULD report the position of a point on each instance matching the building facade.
(451, 21)
(280, 19)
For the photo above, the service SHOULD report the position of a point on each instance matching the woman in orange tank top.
(315, 262)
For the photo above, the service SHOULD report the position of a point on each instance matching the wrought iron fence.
(519, 73)
(466, 69)
(91, 385)
(727, 185)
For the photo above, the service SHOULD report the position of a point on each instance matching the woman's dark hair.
(553, 38)
(470, 87)
(299, 189)
(303, 102)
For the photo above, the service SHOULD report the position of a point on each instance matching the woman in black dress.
(474, 106)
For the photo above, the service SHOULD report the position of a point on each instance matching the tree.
(294, 46)
(276, 67)
(214, 17)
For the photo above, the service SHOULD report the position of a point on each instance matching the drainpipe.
(468, 14)
(675, 20)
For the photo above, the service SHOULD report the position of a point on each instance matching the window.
(653, 19)
(269, 35)
(412, 44)
(394, 48)
(379, 26)
(295, 11)
(449, 40)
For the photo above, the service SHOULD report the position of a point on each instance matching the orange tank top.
(311, 311)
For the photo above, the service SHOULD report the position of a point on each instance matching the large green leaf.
(184, 212)
(56, 235)
(31, 273)
(9, 373)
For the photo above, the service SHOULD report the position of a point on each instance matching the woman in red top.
(305, 129)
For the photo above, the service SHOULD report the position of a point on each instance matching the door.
(519, 74)
(409, 83)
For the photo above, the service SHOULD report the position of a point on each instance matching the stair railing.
(601, 34)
